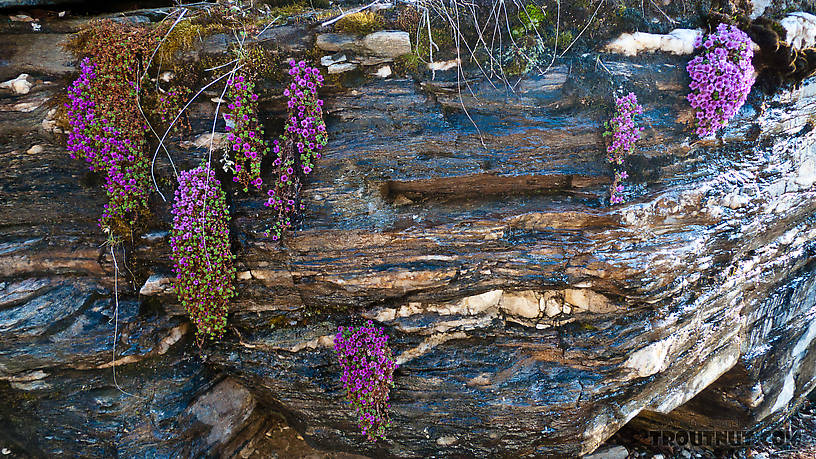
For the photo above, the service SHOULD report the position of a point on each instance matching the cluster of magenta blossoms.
(299, 146)
(624, 133)
(108, 151)
(202, 260)
(722, 76)
(246, 136)
(368, 375)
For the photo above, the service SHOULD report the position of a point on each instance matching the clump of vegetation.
(536, 38)
(288, 9)
(531, 18)
(513, 38)
(94, 136)
(202, 259)
(265, 64)
(107, 128)
(409, 19)
(183, 37)
(409, 64)
(166, 104)
(722, 77)
(300, 145)
(522, 59)
(362, 23)
(368, 375)
(113, 105)
(441, 43)
(246, 134)
(624, 133)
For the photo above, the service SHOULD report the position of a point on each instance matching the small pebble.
(384, 71)
(19, 85)
(35, 150)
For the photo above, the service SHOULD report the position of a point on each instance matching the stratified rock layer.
(527, 315)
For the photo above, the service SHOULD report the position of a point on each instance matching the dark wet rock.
(34, 53)
(24, 3)
(84, 412)
(528, 317)
(225, 408)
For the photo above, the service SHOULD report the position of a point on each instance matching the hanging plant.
(722, 76)
(300, 145)
(202, 260)
(118, 155)
(624, 133)
(368, 375)
(246, 136)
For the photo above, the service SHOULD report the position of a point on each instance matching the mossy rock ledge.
(529, 317)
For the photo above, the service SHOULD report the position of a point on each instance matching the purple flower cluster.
(616, 188)
(168, 104)
(304, 136)
(108, 151)
(625, 133)
(722, 77)
(202, 260)
(305, 125)
(622, 127)
(368, 375)
(246, 138)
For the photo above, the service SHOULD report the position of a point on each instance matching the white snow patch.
(800, 29)
(678, 41)
(443, 65)
(19, 85)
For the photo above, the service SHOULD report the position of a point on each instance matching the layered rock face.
(527, 315)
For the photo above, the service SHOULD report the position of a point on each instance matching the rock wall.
(528, 317)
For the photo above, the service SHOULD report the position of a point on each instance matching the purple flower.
(247, 132)
(118, 155)
(299, 147)
(200, 249)
(367, 376)
(722, 77)
(624, 133)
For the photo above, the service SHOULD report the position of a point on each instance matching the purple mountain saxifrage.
(108, 151)
(203, 262)
(246, 137)
(299, 146)
(624, 134)
(722, 77)
(368, 375)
